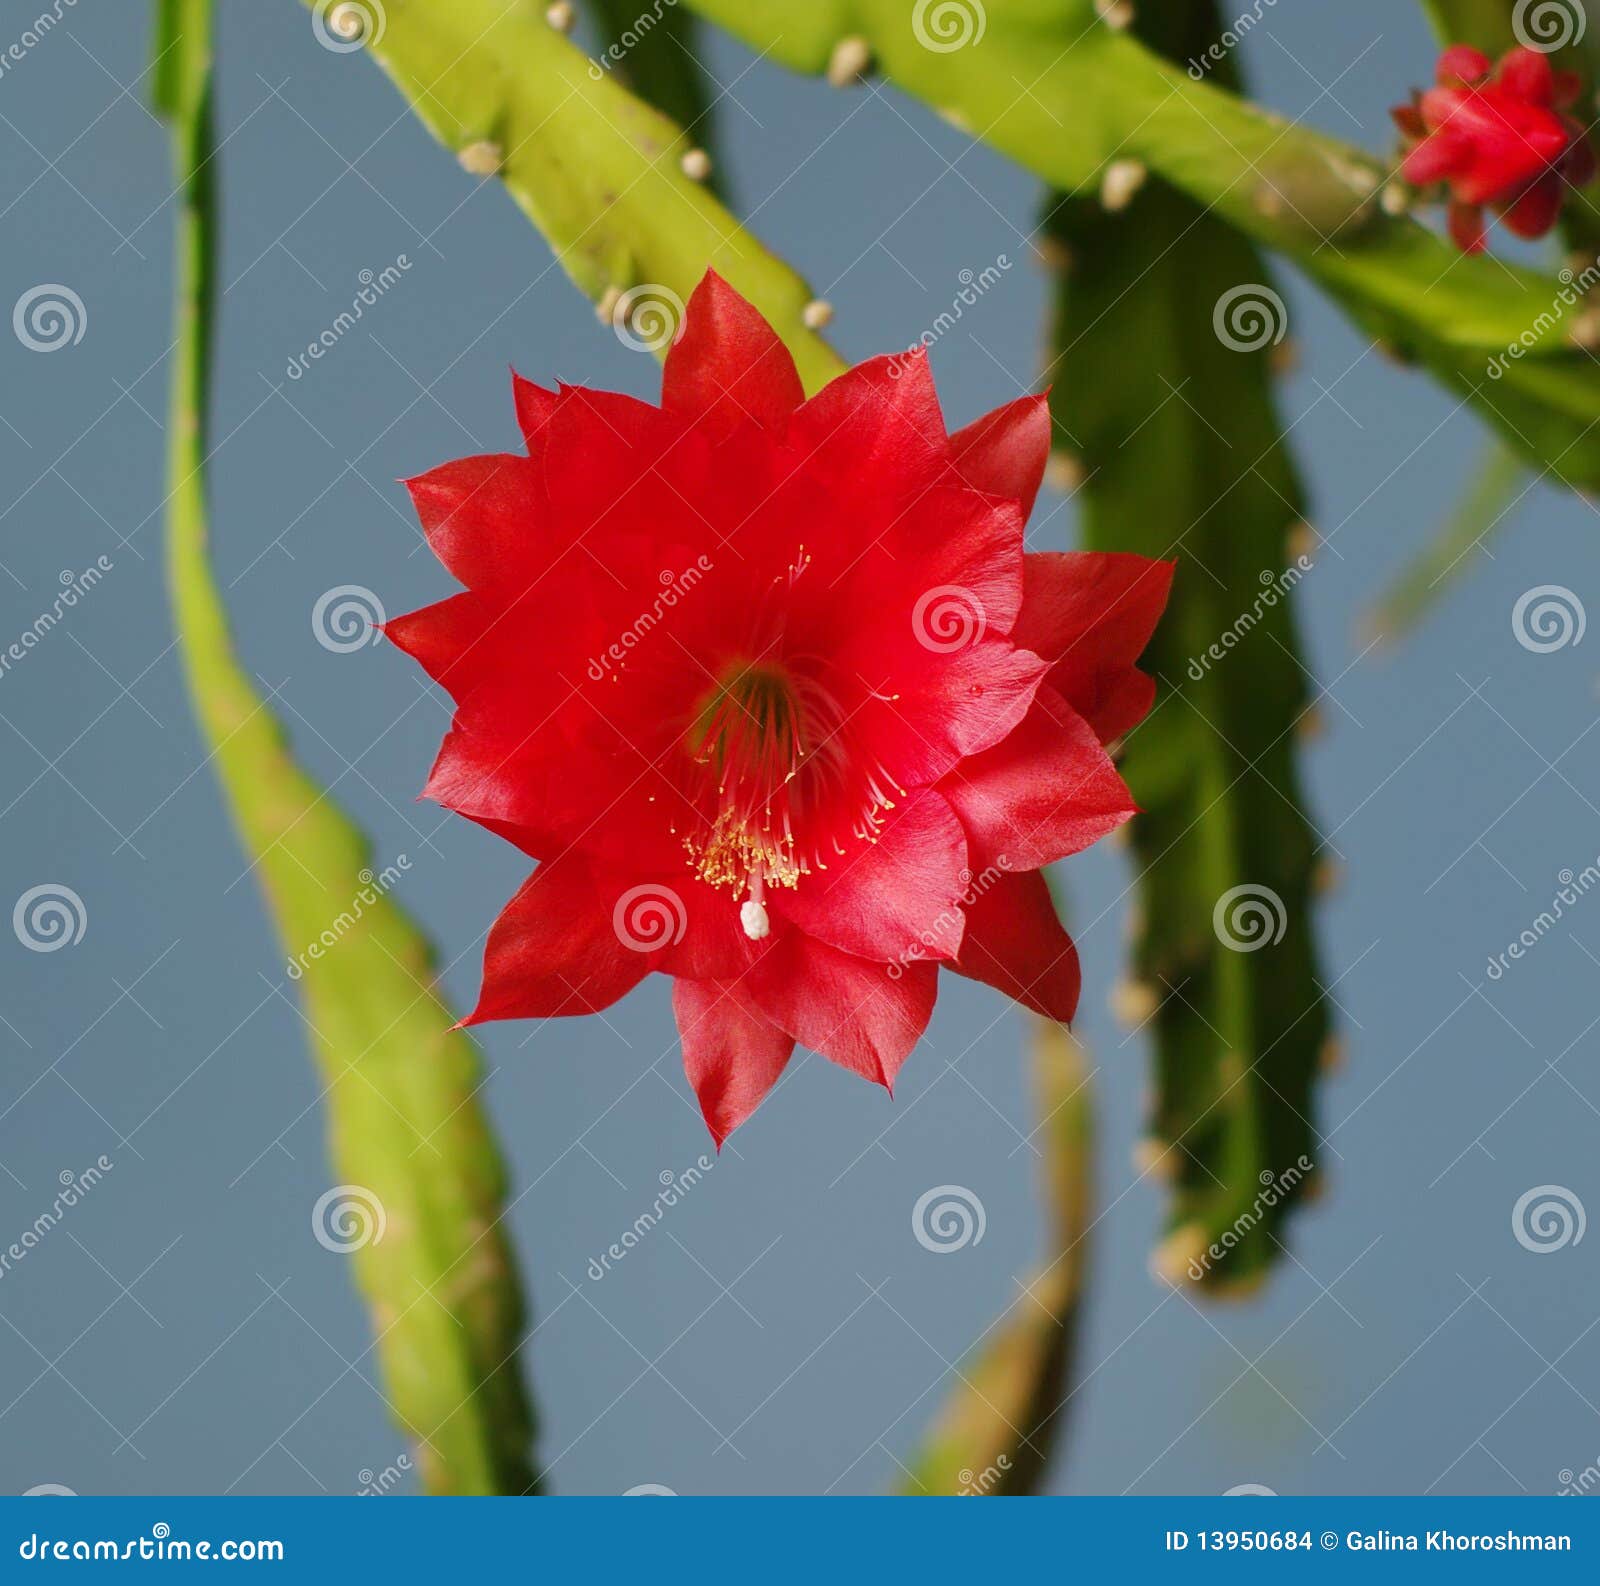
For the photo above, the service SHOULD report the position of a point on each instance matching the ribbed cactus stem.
(421, 1196)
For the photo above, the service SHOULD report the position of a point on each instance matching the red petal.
(444, 638)
(479, 515)
(1015, 943)
(534, 407)
(732, 1056)
(554, 950)
(1091, 615)
(864, 1017)
(1526, 74)
(877, 428)
(889, 897)
(1437, 156)
(1463, 64)
(1467, 229)
(1047, 791)
(729, 364)
(1535, 212)
(1005, 452)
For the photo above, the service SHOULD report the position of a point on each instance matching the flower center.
(749, 735)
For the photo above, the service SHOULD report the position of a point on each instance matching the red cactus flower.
(771, 692)
(1496, 137)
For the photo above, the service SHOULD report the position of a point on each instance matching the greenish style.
(1493, 494)
(596, 169)
(1000, 1426)
(1183, 453)
(1064, 92)
(422, 1185)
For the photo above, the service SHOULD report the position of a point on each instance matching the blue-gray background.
(183, 1331)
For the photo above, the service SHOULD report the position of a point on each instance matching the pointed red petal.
(1005, 452)
(864, 1017)
(1090, 615)
(554, 950)
(1015, 943)
(479, 515)
(900, 892)
(1047, 791)
(534, 407)
(732, 1056)
(729, 364)
(1535, 212)
(1527, 74)
(1438, 155)
(1463, 64)
(444, 639)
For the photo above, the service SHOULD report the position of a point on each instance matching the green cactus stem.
(423, 1179)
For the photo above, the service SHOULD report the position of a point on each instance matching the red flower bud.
(1496, 137)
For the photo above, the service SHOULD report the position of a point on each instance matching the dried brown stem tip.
(849, 62)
